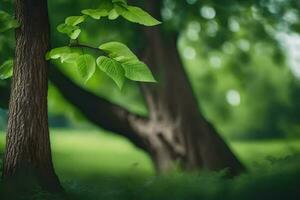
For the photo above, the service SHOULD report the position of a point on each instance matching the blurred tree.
(175, 130)
(222, 35)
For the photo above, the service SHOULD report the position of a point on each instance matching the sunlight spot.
(244, 45)
(255, 12)
(189, 53)
(291, 44)
(212, 28)
(215, 61)
(208, 12)
(167, 13)
(291, 16)
(193, 31)
(233, 97)
(233, 24)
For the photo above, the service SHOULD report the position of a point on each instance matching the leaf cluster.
(116, 60)
(7, 22)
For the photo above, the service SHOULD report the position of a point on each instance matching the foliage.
(119, 61)
(234, 48)
(6, 69)
(7, 22)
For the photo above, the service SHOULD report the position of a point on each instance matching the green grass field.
(92, 162)
(93, 152)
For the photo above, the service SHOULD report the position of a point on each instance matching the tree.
(175, 130)
(256, 11)
(28, 145)
(249, 13)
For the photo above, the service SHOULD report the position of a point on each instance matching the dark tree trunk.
(175, 129)
(27, 143)
(98, 110)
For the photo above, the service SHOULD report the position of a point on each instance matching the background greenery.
(240, 57)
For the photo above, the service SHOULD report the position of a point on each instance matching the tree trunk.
(175, 129)
(27, 143)
(98, 110)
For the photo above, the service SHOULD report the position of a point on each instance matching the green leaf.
(134, 69)
(137, 15)
(113, 69)
(64, 53)
(75, 34)
(6, 69)
(118, 51)
(69, 57)
(4, 16)
(74, 20)
(58, 52)
(86, 66)
(96, 13)
(138, 71)
(72, 31)
(113, 14)
(7, 22)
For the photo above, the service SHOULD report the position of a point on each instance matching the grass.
(93, 164)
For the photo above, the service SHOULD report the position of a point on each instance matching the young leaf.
(69, 57)
(57, 52)
(113, 14)
(72, 31)
(138, 71)
(118, 51)
(86, 66)
(6, 69)
(74, 20)
(113, 69)
(137, 15)
(96, 13)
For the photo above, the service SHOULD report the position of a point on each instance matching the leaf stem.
(85, 46)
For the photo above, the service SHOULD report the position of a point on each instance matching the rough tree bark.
(175, 129)
(27, 144)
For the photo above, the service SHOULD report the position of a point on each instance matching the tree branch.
(100, 111)
(86, 47)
